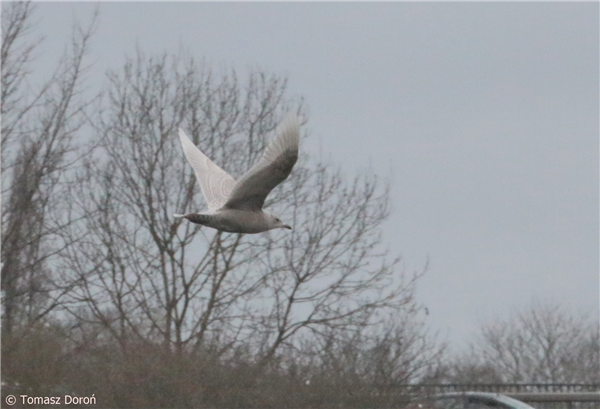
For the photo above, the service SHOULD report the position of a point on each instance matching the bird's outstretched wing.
(216, 184)
(275, 165)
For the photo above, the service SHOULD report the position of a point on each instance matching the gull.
(236, 207)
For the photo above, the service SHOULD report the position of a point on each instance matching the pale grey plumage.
(216, 184)
(237, 207)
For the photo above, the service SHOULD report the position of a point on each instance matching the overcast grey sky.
(485, 113)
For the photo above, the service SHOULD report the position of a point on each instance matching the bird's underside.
(230, 220)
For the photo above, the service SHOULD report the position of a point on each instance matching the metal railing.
(505, 388)
(538, 395)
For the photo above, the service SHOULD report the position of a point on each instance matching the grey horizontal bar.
(556, 397)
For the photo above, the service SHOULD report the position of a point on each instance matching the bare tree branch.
(38, 150)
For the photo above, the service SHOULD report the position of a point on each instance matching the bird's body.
(236, 207)
(233, 220)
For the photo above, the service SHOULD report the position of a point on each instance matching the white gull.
(236, 207)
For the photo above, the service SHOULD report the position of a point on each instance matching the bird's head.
(276, 222)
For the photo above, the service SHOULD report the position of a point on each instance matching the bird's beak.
(287, 227)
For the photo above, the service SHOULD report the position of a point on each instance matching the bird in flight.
(236, 207)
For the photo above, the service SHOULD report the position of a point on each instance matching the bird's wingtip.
(289, 127)
(182, 135)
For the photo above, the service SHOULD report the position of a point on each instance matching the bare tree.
(38, 127)
(377, 359)
(149, 277)
(544, 343)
